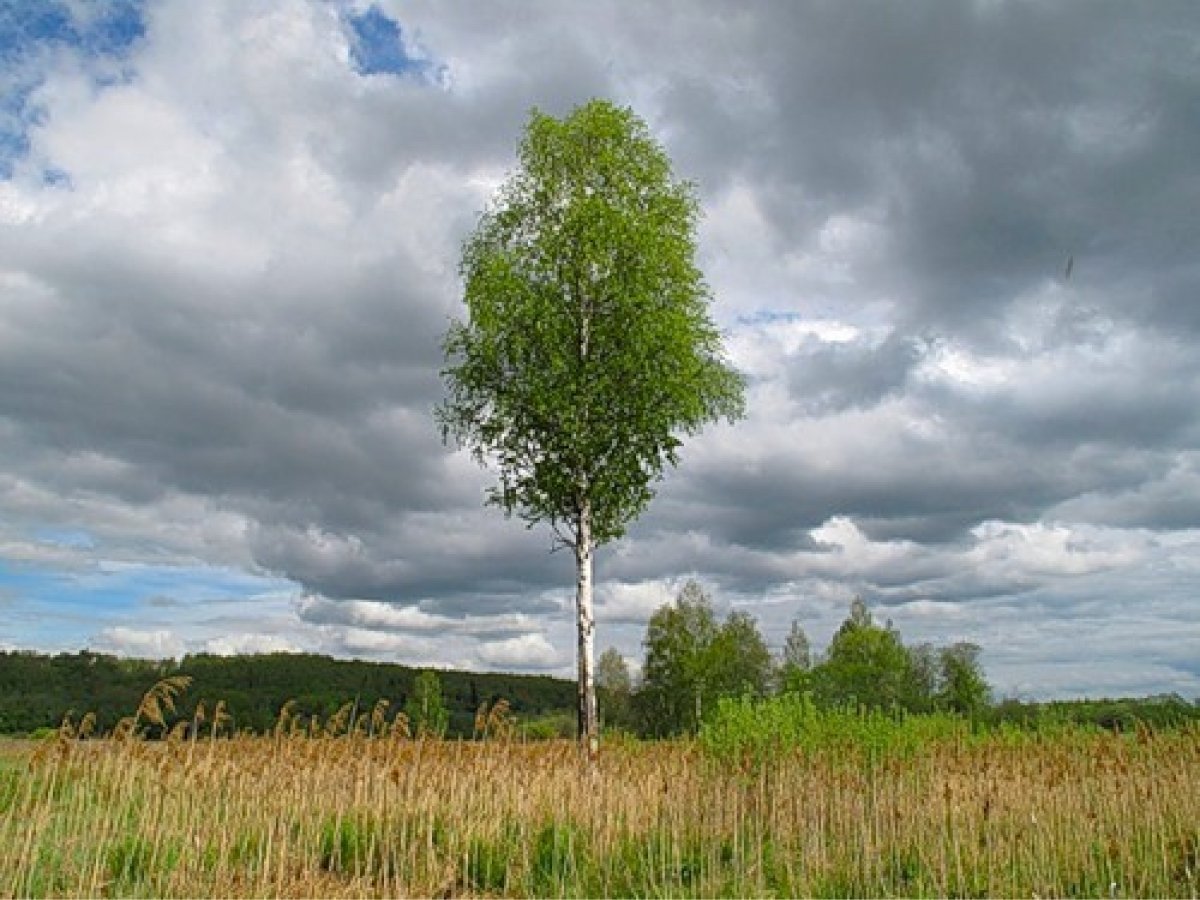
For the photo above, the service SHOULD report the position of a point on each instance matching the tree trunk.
(589, 724)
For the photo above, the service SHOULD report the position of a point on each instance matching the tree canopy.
(692, 660)
(588, 349)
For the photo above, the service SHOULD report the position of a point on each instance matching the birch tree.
(587, 353)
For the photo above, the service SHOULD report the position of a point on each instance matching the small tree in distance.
(866, 665)
(692, 660)
(614, 688)
(675, 673)
(963, 686)
(587, 350)
(796, 660)
(426, 707)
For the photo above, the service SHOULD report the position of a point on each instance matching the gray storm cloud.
(220, 327)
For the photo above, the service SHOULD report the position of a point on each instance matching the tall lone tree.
(588, 350)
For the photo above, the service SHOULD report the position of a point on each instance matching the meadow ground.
(1074, 814)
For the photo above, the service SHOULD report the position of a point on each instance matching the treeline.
(693, 662)
(1165, 711)
(37, 691)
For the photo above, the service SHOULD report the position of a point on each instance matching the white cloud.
(526, 651)
(235, 644)
(381, 616)
(122, 640)
(1042, 549)
(619, 601)
(369, 642)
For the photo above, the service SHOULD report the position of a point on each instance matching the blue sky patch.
(16, 117)
(104, 27)
(103, 30)
(71, 538)
(377, 47)
(55, 608)
(769, 317)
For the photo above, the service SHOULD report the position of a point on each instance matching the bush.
(758, 730)
(548, 727)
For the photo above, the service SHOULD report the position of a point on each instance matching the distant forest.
(37, 691)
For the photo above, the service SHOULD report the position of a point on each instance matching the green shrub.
(548, 727)
(755, 731)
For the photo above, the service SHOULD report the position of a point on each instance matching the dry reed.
(294, 815)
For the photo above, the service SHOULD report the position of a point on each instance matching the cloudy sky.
(953, 246)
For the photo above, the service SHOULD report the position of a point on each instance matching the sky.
(953, 247)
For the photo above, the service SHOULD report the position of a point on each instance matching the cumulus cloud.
(137, 642)
(381, 616)
(635, 603)
(528, 651)
(236, 644)
(228, 248)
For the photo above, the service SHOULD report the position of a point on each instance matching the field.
(1073, 814)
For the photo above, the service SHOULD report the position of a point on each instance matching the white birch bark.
(589, 725)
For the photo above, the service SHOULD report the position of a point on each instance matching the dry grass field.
(1078, 814)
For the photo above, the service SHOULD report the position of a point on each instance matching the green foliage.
(678, 637)
(352, 844)
(255, 688)
(866, 665)
(134, 860)
(53, 873)
(548, 727)
(1164, 712)
(426, 708)
(923, 692)
(588, 348)
(560, 857)
(963, 688)
(247, 849)
(738, 660)
(796, 660)
(761, 730)
(11, 781)
(749, 730)
(656, 864)
(692, 661)
(129, 859)
(486, 866)
(37, 690)
(614, 691)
